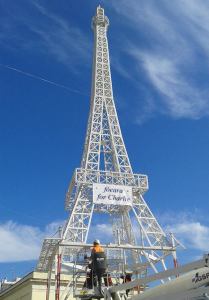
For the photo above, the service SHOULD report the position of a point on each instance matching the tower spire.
(104, 146)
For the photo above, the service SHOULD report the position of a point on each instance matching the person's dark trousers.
(90, 280)
(100, 273)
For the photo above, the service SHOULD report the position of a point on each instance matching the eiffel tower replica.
(105, 182)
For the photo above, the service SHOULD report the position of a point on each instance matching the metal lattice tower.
(105, 161)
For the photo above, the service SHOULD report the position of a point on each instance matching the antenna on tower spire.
(100, 18)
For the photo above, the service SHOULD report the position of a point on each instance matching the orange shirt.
(97, 248)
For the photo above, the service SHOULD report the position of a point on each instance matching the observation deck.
(85, 177)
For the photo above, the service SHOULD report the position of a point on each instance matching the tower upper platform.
(100, 18)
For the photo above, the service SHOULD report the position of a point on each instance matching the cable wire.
(42, 79)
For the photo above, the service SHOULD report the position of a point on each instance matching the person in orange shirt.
(99, 263)
(96, 247)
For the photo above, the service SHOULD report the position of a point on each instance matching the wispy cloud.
(179, 97)
(35, 28)
(192, 234)
(189, 228)
(23, 242)
(61, 39)
(174, 54)
(101, 231)
(27, 239)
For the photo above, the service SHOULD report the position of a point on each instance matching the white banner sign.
(112, 194)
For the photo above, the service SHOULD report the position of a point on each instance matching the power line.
(42, 79)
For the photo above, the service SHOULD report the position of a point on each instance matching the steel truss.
(105, 161)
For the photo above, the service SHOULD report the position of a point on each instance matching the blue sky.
(159, 57)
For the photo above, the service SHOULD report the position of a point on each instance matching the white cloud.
(179, 98)
(194, 235)
(174, 55)
(102, 231)
(22, 242)
(188, 228)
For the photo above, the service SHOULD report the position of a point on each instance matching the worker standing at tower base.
(99, 263)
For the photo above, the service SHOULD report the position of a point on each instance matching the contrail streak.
(43, 79)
